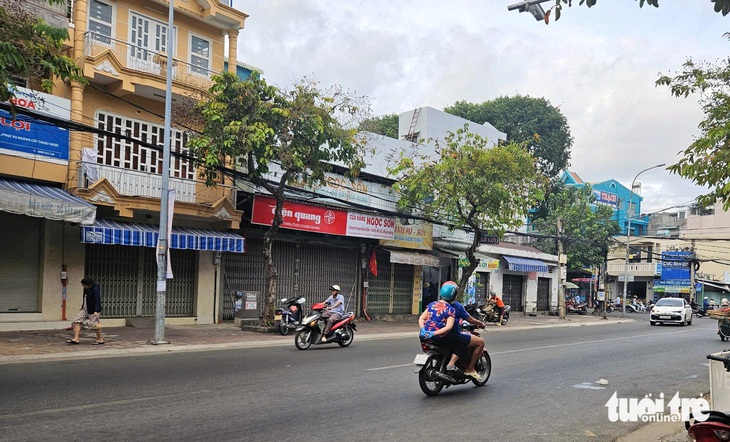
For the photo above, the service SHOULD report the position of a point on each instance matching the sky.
(597, 65)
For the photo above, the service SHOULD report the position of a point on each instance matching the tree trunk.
(473, 263)
(271, 276)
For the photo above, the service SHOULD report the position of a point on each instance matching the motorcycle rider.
(335, 310)
(438, 320)
(723, 305)
(706, 303)
(461, 313)
(498, 305)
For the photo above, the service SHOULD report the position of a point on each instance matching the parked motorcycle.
(289, 315)
(486, 313)
(431, 367)
(580, 309)
(310, 331)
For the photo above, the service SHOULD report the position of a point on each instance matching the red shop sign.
(300, 216)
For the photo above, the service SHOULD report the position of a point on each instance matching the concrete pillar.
(76, 138)
(232, 49)
(80, 18)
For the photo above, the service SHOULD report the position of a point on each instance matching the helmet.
(705, 297)
(448, 291)
(492, 293)
(724, 302)
(335, 287)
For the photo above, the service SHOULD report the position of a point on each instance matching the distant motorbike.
(636, 307)
(310, 332)
(698, 311)
(580, 309)
(431, 367)
(486, 313)
(289, 315)
(723, 329)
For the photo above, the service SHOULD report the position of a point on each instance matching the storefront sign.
(417, 235)
(300, 216)
(318, 219)
(606, 198)
(30, 138)
(675, 265)
(672, 286)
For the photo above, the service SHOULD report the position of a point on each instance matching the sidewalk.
(26, 346)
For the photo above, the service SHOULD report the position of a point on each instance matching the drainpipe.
(64, 282)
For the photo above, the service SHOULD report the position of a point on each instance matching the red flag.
(373, 265)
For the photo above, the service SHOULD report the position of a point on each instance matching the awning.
(145, 235)
(525, 264)
(413, 258)
(44, 202)
(721, 287)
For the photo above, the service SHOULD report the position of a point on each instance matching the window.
(100, 21)
(199, 55)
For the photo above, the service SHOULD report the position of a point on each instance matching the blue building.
(620, 198)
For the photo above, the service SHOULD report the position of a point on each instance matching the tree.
(720, 6)
(470, 186)
(707, 160)
(529, 120)
(384, 125)
(587, 227)
(260, 127)
(31, 50)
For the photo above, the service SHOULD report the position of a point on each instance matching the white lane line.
(389, 367)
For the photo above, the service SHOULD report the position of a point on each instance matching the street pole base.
(158, 342)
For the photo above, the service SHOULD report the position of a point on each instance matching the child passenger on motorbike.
(438, 320)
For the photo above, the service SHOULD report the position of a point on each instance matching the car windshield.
(667, 302)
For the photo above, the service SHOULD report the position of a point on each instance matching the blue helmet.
(448, 291)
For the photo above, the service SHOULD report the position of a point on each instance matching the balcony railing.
(144, 60)
(133, 182)
(635, 268)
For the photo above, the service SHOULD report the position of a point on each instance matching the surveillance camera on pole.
(531, 6)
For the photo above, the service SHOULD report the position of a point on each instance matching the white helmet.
(335, 287)
(724, 302)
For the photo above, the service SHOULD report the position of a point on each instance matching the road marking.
(389, 367)
(90, 406)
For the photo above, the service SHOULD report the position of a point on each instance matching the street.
(542, 388)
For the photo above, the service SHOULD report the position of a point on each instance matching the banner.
(417, 235)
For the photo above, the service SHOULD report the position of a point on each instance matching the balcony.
(105, 53)
(136, 183)
(635, 268)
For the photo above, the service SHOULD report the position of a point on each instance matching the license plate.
(420, 359)
(665, 317)
(277, 317)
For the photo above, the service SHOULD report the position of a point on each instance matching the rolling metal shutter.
(512, 291)
(20, 241)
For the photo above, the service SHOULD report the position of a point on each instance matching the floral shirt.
(437, 313)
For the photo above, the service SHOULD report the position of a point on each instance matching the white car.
(671, 311)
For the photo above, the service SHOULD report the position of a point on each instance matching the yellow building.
(75, 203)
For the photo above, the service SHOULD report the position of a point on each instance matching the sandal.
(474, 375)
(71, 341)
(97, 343)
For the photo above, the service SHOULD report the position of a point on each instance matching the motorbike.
(723, 329)
(486, 313)
(310, 331)
(698, 311)
(580, 309)
(431, 367)
(636, 307)
(715, 428)
(289, 315)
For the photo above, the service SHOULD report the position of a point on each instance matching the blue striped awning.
(525, 264)
(44, 202)
(109, 232)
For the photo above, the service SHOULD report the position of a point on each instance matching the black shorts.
(499, 310)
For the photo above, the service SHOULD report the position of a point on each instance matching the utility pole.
(692, 290)
(561, 287)
(162, 242)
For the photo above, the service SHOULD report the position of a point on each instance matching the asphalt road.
(542, 389)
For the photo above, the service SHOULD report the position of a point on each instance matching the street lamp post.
(628, 233)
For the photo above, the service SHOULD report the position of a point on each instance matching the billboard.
(675, 265)
(606, 198)
(27, 137)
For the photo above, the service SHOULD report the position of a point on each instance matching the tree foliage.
(587, 227)
(707, 160)
(720, 6)
(384, 125)
(31, 50)
(470, 186)
(297, 133)
(532, 121)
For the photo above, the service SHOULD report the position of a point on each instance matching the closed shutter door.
(512, 291)
(543, 294)
(391, 292)
(20, 241)
(302, 269)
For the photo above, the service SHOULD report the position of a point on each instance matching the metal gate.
(543, 294)
(512, 291)
(303, 269)
(391, 292)
(481, 292)
(127, 277)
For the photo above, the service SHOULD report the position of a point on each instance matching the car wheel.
(690, 320)
(652, 322)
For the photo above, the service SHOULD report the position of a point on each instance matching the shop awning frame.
(525, 264)
(42, 201)
(110, 232)
(413, 258)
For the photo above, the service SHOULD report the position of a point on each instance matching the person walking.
(88, 316)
